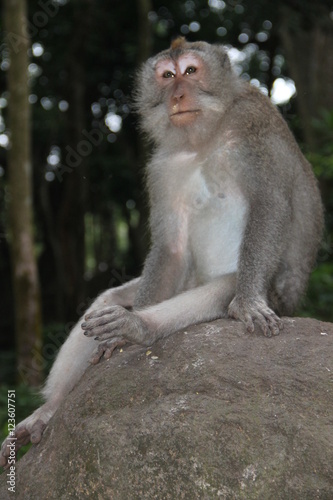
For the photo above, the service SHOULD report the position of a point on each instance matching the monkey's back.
(270, 142)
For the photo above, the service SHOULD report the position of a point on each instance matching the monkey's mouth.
(184, 118)
(187, 111)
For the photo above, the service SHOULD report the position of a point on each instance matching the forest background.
(73, 213)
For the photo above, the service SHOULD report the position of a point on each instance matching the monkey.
(235, 217)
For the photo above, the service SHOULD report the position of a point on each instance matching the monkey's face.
(180, 80)
(182, 92)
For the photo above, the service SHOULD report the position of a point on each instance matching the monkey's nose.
(178, 96)
(178, 92)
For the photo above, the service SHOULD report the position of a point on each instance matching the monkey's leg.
(145, 326)
(69, 366)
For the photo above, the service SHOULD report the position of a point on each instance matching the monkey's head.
(184, 90)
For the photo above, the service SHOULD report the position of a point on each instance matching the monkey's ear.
(223, 56)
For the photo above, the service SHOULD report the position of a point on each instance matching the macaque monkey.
(235, 216)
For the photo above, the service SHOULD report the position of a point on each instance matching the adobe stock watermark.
(11, 474)
(39, 20)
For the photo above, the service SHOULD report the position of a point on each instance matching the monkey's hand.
(255, 311)
(29, 430)
(116, 325)
(105, 349)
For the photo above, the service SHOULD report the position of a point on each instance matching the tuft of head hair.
(178, 43)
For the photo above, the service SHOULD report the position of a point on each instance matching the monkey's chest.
(210, 223)
(216, 233)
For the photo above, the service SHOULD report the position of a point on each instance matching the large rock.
(211, 412)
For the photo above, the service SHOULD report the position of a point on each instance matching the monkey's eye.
(190, 70)
(168, 74)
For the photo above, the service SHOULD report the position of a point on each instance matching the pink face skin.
(182, 77)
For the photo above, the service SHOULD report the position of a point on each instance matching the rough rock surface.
(211, 412)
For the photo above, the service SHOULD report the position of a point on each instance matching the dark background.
(90, 211)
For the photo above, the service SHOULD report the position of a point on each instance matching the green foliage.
(322, 160)
(319, 299)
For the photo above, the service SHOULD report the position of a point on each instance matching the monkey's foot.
(255, 312)
(118, 323)
(105, 349)
(29, 430)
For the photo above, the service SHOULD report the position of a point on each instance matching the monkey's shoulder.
(252, 113)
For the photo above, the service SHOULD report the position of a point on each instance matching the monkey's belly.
(216, 237)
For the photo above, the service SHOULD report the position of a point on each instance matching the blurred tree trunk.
(145, 41)
(24, 270)
(70, 219)
(306, 32)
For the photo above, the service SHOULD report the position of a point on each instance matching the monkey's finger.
(109, 334)
(105, 331)
(5, 449)
(5, 452)
(93, 323)
(117, 343)
(106, 349)
(108, 319)
(37, 431)
(102, 312)
(280, 324)
(275, 328)
(249, 323)
(98, 313)
(263, 325)
(109, 315)
(21, 434)
(21, 439)
(271, 317)
(94, 360)
(275, 324)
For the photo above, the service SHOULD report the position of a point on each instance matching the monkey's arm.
(163, 277)
(145, 326)
(260, 255)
